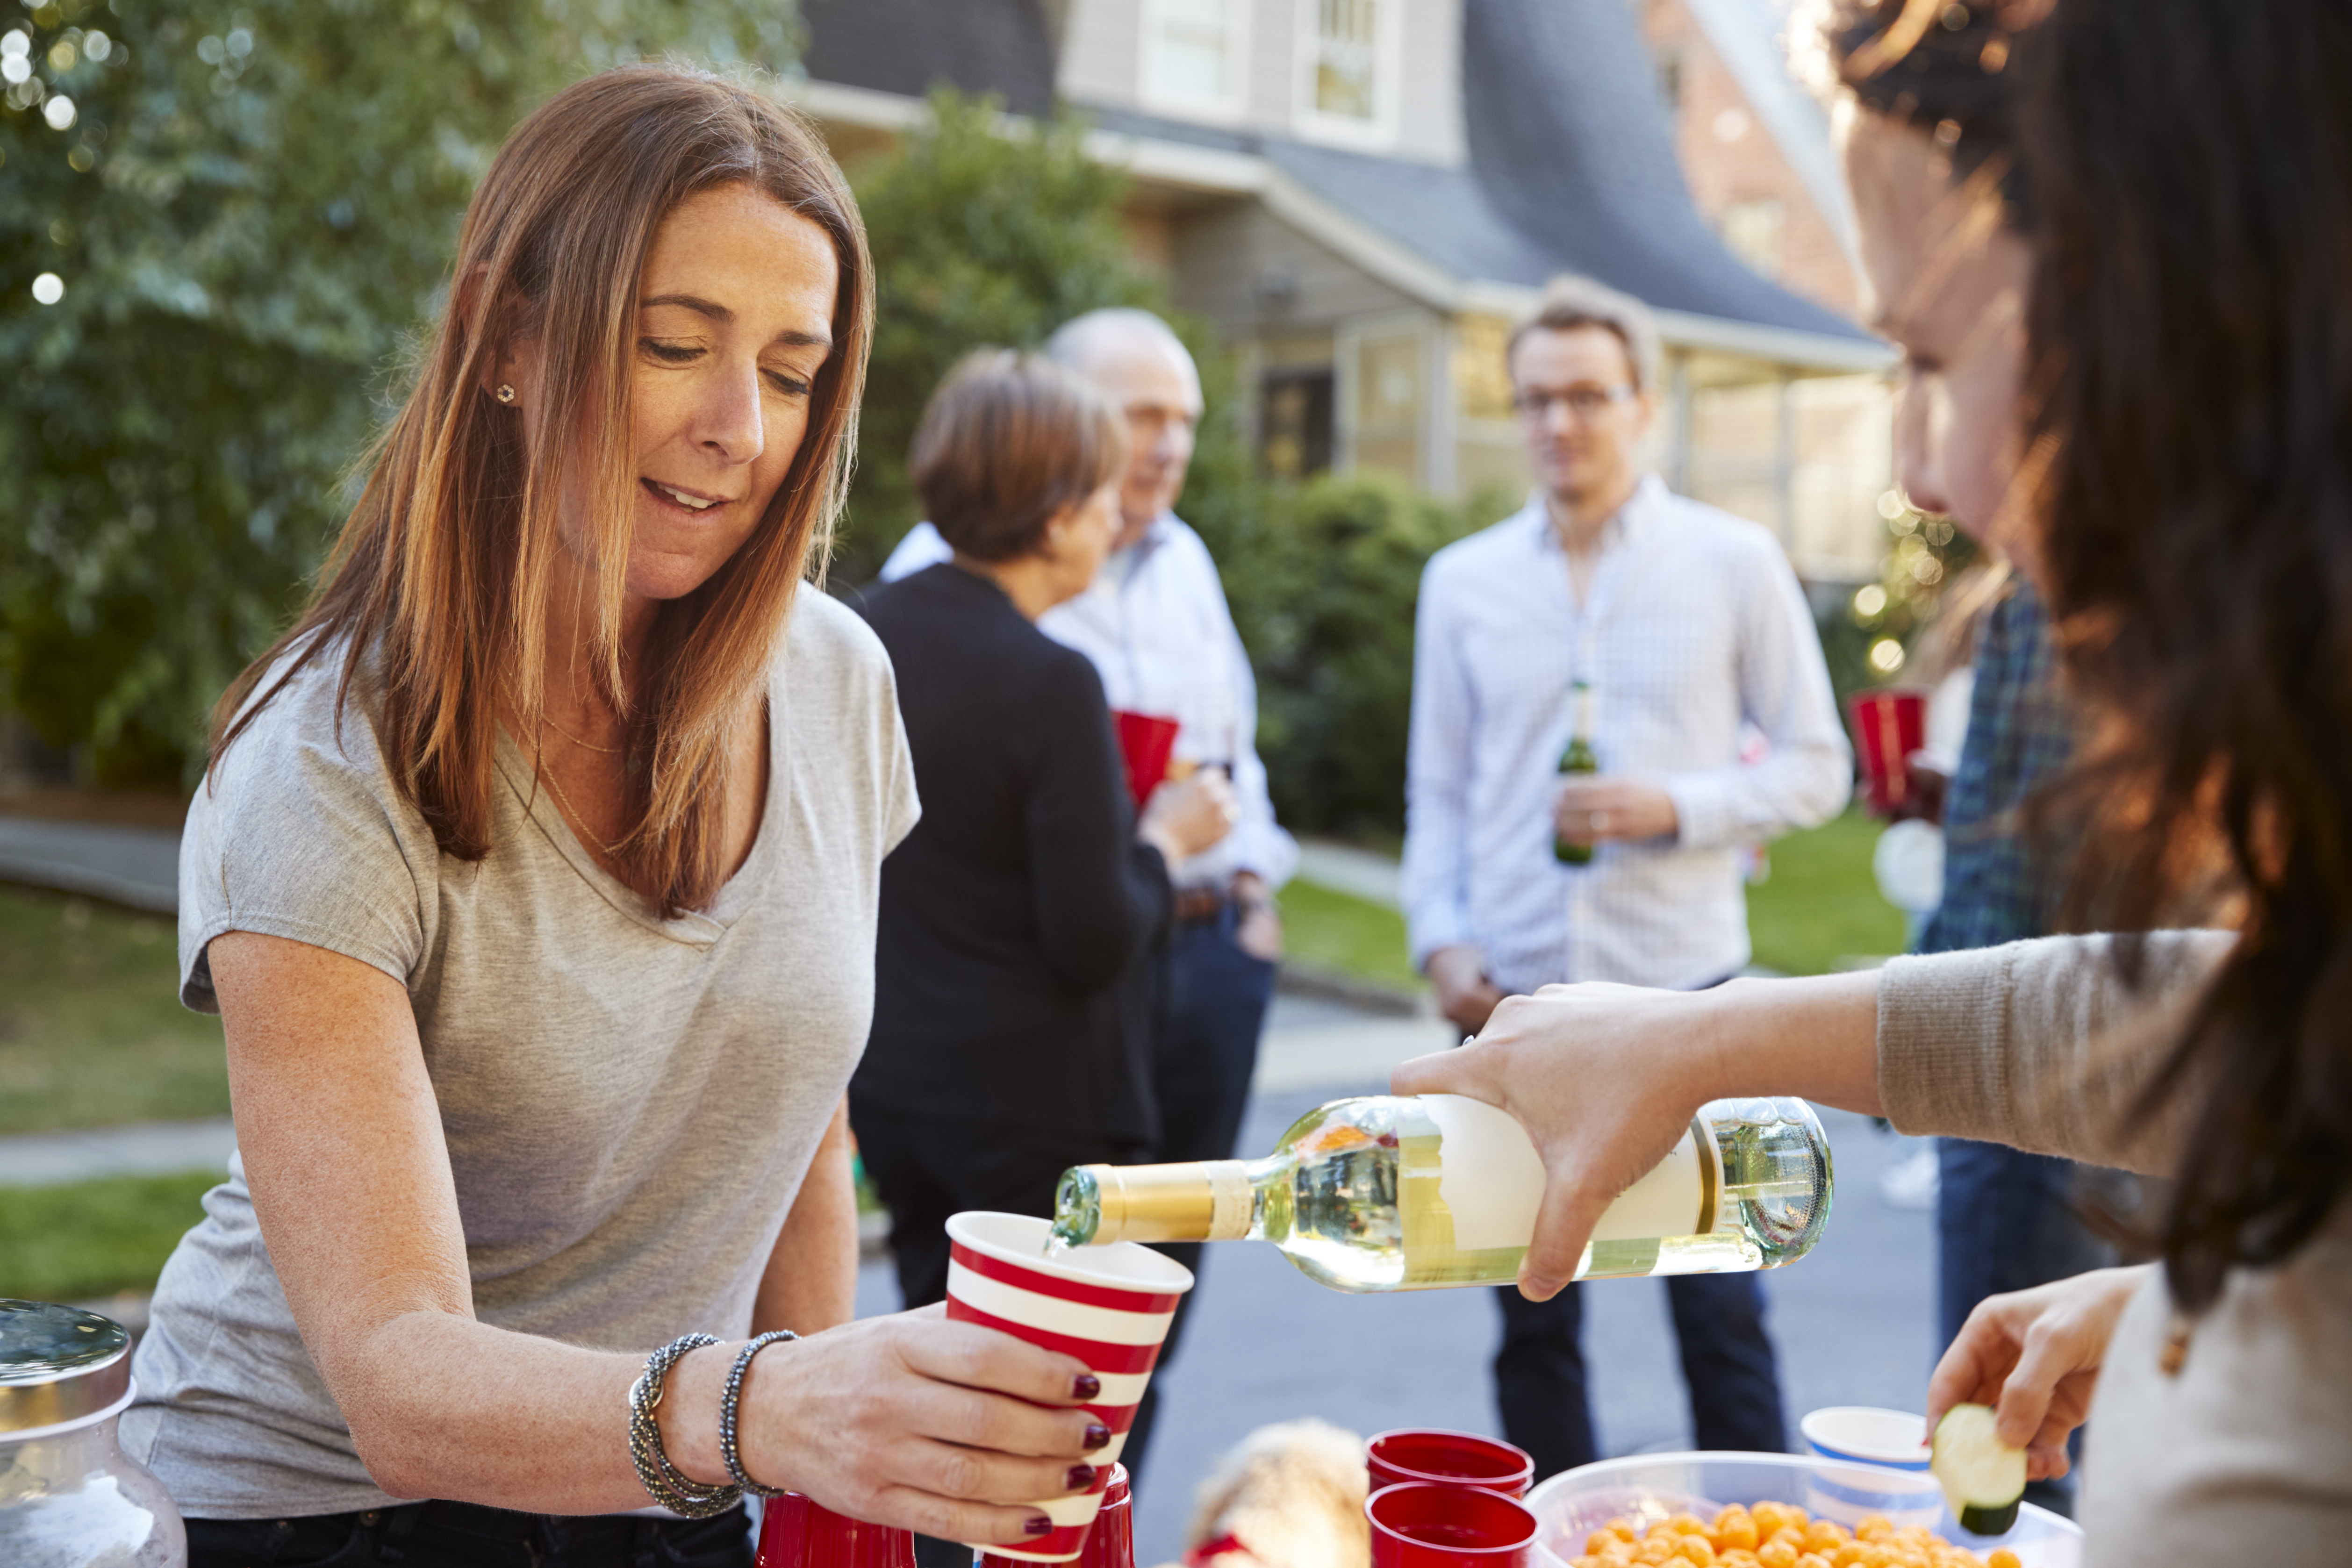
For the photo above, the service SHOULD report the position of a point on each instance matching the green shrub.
(1322, 580)
(252, 207)
(983, 233)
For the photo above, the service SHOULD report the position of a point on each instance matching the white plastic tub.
(1647, 1487)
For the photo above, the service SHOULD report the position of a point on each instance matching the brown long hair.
(2190, 382)
(438, 587)
(1009, 442)
(2183, 169)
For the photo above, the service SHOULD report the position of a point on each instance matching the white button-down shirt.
(1693, 626)
(1155, 624)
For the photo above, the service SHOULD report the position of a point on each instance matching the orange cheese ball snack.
(1790, 1538)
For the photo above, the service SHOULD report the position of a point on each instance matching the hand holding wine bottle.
(1606, 1079)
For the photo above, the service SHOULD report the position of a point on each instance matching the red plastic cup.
(1145, 742)
(1425, 1524)
(1109, 1544)
(1889, 725)
(796, 1534)
(1448, 1458)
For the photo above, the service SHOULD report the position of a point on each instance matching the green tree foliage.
(1871, 636)
(251, 207)
(984, 232)
(1323, 579)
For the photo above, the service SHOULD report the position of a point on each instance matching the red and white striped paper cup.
(1108, 1306)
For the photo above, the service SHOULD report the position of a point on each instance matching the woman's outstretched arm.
(1605, 1078)
(908, 1420)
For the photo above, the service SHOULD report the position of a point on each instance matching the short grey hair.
(1569, 302)
(1077, 340)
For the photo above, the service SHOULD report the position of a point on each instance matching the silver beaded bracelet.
(727, 1402)
(661, 1480)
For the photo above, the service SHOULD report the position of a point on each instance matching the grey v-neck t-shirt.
(630, 1103)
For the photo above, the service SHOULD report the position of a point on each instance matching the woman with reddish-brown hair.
(534, 881)
(2113, 239)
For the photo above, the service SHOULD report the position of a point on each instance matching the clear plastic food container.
(1647, 1487)
(69, 1497)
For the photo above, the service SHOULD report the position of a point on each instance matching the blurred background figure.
(1158, 630)
(1289, 1495)
(1010, 1033)
(1652, 629)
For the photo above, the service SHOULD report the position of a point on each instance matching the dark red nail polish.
(1039, 1525)
(1086, 1385)
(1080, 1478)
(1098, 1435)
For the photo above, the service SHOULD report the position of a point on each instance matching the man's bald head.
(1144, 368)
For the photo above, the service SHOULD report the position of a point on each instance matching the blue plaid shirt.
(1996, 888)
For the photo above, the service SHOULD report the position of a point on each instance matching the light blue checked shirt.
(1694, 627)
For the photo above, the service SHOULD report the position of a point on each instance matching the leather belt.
(1200, 903)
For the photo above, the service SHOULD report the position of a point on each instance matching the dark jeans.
(2006, 1220)
(1213, 999)
(927, 1168)
(467, 1536)
(1735, 1390)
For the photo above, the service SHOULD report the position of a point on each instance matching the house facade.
(1362, 195)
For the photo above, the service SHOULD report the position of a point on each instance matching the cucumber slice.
(1983, 1478)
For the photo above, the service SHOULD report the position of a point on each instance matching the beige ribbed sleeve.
(2043, 1045)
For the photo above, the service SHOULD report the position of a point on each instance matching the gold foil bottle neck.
(1208, 1200)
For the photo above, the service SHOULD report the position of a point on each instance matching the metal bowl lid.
(58, 1365)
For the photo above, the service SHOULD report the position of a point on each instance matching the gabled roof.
(1571, 163)
(1574, 150)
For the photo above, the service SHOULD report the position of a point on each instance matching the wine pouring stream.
(1388, 1193)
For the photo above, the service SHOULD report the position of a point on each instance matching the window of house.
(1192, 55)
(1753, 231)
(1294, 420)
(1387, 405)
(1349, 52)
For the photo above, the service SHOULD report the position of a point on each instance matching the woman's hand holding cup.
(1183, 819)
(918, 1423)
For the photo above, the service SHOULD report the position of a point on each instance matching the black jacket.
(1010, 977)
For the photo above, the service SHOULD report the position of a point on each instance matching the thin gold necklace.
(572, 812)
(582, 745)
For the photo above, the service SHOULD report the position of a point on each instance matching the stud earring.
(506, 393)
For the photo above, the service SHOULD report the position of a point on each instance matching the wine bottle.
(1388, 1193)
(1579, 758)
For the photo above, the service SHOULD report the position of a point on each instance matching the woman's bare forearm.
(1815, 1037)
(811, 1282)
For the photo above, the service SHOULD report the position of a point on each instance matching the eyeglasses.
(1586, 402)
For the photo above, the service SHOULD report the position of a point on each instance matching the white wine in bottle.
(1388, 1193)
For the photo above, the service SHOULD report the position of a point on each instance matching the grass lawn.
(1820, 905)
(1328, 930)
(91, 1029)
(1822, 902)
(94, 1238)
